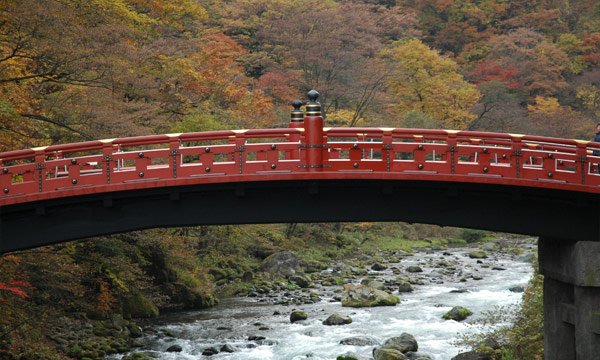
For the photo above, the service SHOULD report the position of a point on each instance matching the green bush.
(471, 236)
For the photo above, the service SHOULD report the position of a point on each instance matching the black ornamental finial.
(297, 114)
(313, 107)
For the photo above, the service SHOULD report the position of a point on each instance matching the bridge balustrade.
(232, 155)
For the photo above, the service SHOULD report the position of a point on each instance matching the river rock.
(372, 283)
(337, 319)
(403, 343)
(405, 286)
(174, 348)
(256, 338)
(298, 315)
(414, 269)
(281, 264)
(416, 356)
(366, 296)
(378, 267)
(135, 331)
(388, 354)
(210, 351)
(360, 341)
(457, 313)
(472, 355)
(303, 281)
(228, 348)
(313, 266)
(516, 289)
(478, 254)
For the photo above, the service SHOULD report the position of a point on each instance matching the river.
(234, 320)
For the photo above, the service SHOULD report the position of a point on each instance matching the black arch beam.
(566, 215)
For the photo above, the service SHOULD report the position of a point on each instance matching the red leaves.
(16, 288)
(487, 71)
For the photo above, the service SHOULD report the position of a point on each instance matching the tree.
(332, 48)
(499, 108)
(425, 81)
(539, 63)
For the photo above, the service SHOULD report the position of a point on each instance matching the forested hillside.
(74, 70)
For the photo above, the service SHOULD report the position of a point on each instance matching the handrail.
(231, 155)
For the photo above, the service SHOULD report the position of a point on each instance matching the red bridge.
(546, 187)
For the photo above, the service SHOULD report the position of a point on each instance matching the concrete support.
(571, 299)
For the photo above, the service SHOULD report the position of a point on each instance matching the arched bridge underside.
(514, 183)
(534, 211)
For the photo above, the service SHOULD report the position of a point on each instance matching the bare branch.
(59, 124)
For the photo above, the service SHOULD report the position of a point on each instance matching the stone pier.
(571, 299)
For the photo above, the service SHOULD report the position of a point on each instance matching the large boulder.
(457, 313)
(281, 264)
(358, 296)
(388, 354)
(337, 319)
(403, 343)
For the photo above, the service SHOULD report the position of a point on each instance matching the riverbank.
(87, 299)
(429, 282)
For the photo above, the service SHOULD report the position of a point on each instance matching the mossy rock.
(478, 254)
(388, 354)
(139, 306)
(359, 296)
(347, 357)
(457, 313)
(298, 315)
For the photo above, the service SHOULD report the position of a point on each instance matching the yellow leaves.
(342, 117)
(544, 105)
(589, 95)
(121, 9)
(423, 80)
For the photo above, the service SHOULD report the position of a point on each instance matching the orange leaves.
(104, 300)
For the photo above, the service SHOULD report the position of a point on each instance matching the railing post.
(40, 166)
(451, 150)
(174, 145)
(107, 154)
(313, 133)
(581, 162)
(296, 122)
(517, 153)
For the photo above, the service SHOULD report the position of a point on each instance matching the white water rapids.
(419, 313)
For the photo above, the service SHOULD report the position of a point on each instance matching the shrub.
(471, 236)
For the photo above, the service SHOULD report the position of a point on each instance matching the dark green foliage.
(471, 236)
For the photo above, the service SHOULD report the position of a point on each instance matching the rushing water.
(419, 314)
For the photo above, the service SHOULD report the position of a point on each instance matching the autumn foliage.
(78, 70)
